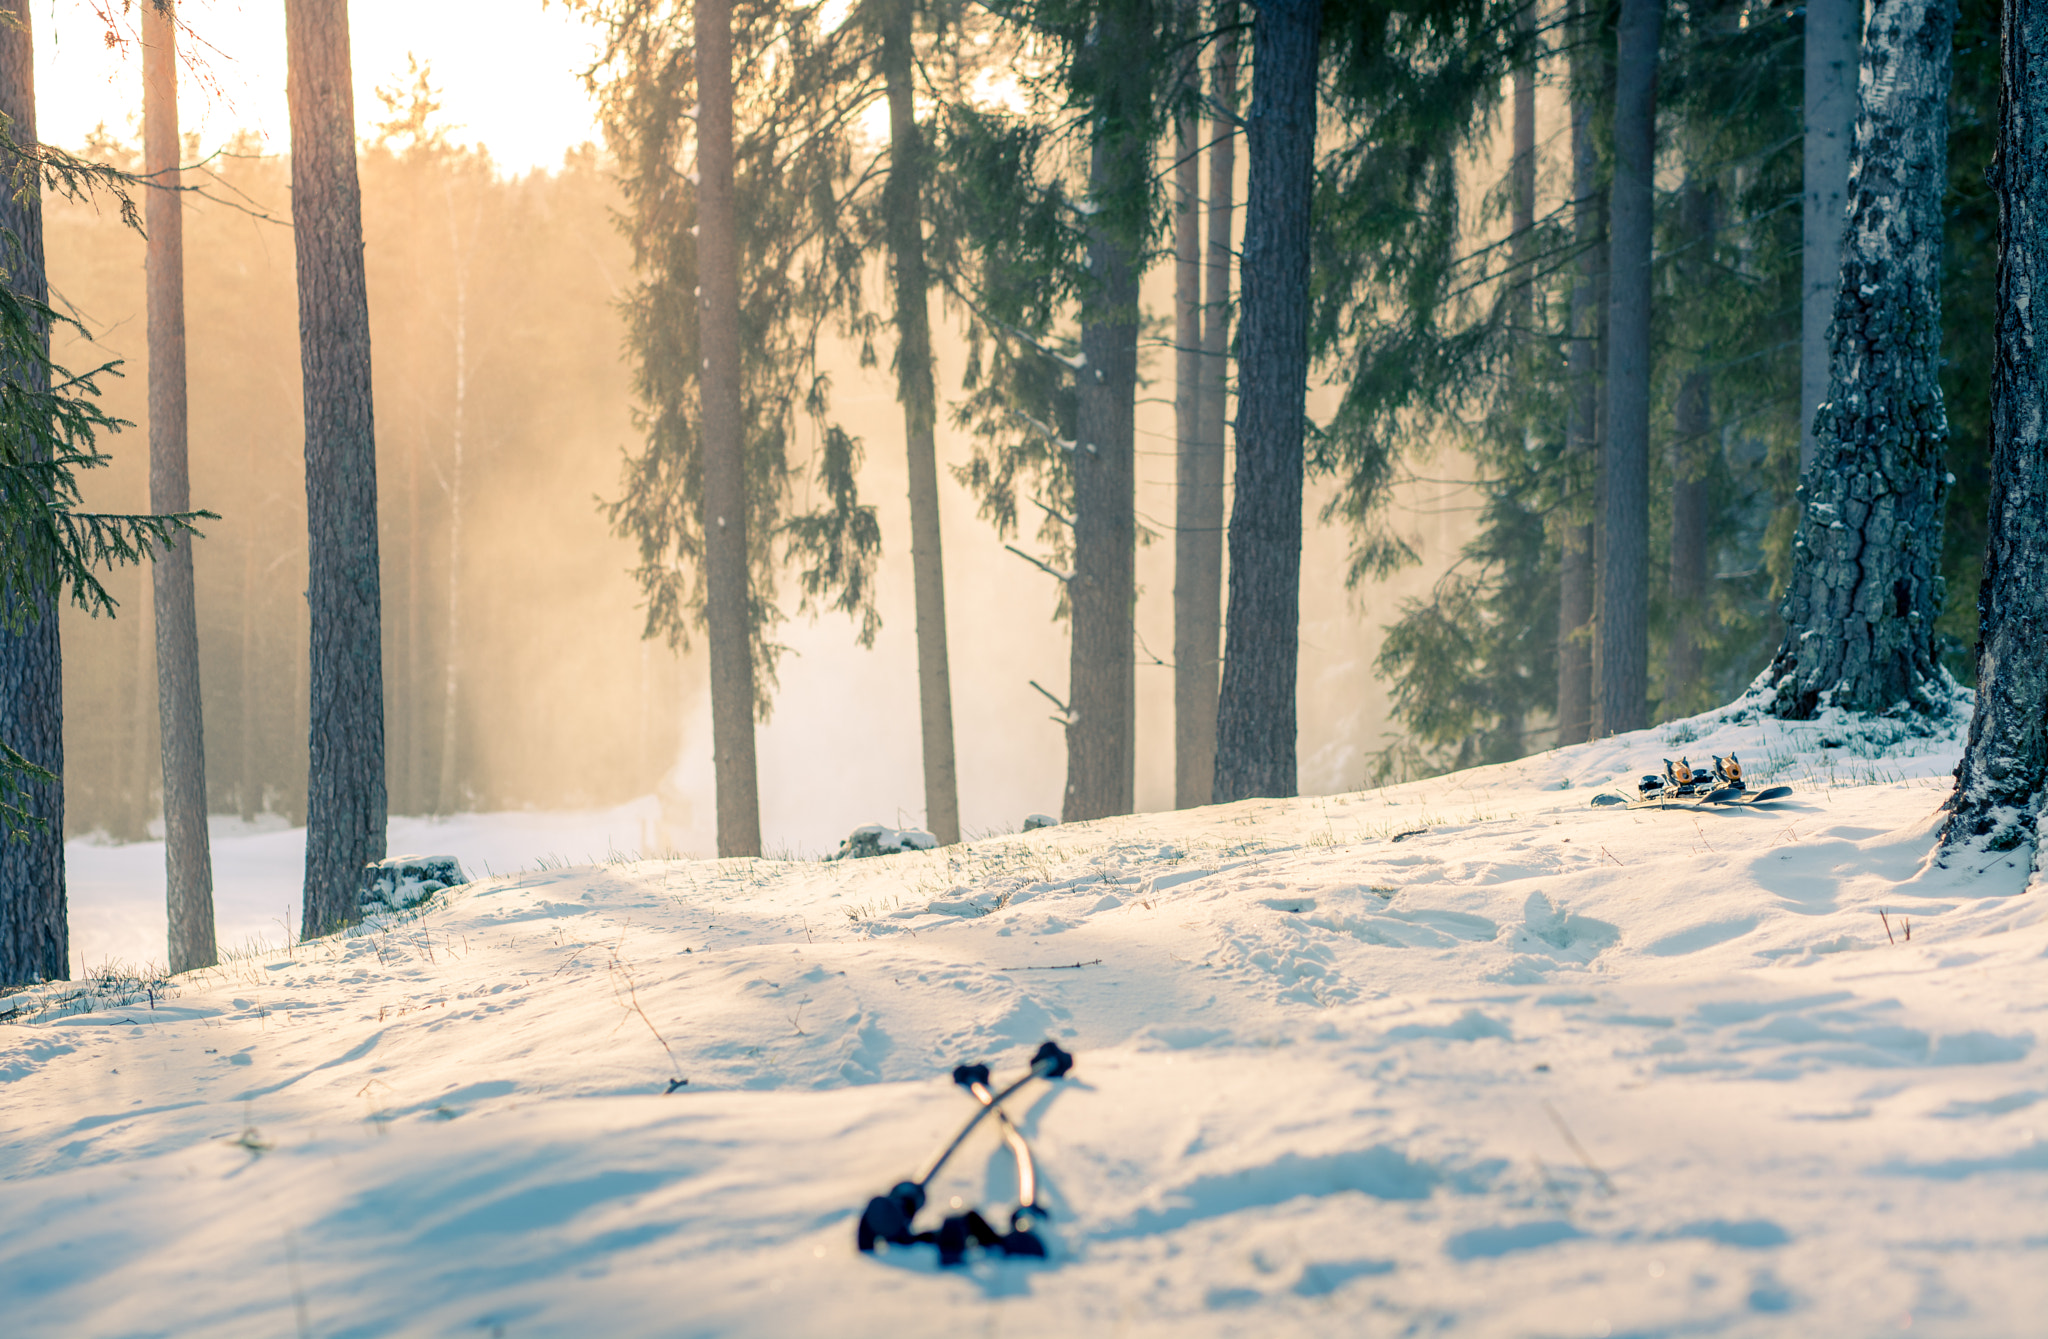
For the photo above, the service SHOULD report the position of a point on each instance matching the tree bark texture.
(345, 796)
(903, 203)
(34, 931)
(1866, 564)
(1691, 452)
(1198, 552)
(2004, 771)
(1190, 702)
(1834, 28)
(188, 857)
(728, 627)
(1101, 682)
(1625, 457)
(1255, 721)
(1522, 185)
(1575, 547)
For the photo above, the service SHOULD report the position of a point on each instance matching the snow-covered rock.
(872, 839)
(405, 881)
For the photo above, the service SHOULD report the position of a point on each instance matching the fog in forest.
(516, 675)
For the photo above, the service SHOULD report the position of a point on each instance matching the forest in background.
(1470, 667)
(554, 699)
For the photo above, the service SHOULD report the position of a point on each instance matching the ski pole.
(1049, 1063)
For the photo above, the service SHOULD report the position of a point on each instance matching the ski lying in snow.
(1725, 795)
(1749, 797)
(891, 1217)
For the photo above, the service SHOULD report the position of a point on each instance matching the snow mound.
(1463, 1054)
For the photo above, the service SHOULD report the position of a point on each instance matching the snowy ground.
(1464, 1055)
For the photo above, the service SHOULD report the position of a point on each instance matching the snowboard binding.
(892, 1217)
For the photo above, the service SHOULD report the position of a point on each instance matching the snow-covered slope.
(1462, 1055)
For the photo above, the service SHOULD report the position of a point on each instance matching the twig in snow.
(1056, 967)
(1887, 927)
(1610, 855)
(1606, 1186)
(620, 970)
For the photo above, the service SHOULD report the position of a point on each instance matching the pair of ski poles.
(891, 1217)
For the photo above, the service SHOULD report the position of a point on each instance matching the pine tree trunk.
(414, 792)
(728, 621)
(1255, 720)
(1101, 680)
(447, 795)
(1625, 458)
(1575, 556)
(188, 857)
(1194, 709)
(1866, 565)
(1834, 29)
(143, 763)
(345, 797)
(1198, 636)
(34, 933)
(2004, 771)
(1691, 449)
(249, 793)
(903, 203)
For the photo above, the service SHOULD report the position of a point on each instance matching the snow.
(1465, 1054)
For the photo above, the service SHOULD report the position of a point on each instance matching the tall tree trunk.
(1190, 785)
(729, 625)
(1102, 662)
(1255, 720)
(1575, 550)
(1198, 552)
(1509, 739)
(143, 763)
(414, 742)
(1194, 696)
(2004, 771)
(249, 792)
(34, 935)
(345, 797)
(188, 858)
(1866, 565)
(903, 203)
(1833, 30)
(1625, 459)
(447, 800)
(1691, 448)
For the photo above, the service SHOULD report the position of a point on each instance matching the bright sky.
(508, 70)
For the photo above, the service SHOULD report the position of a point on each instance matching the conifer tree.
(188, 857)
(1866, 578)
(698, 498)
(345, 798)
(2003, 776)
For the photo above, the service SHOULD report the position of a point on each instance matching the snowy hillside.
(1464, 1055)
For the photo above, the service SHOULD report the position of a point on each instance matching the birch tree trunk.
(188, 857)
(1255, 719)
(1625, 454)
(1833, 30)
(2000, 782)
(903, 204)
(1575, 555)
(1866, 564)
(34, 932)
(345, 795)
(728, 626)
